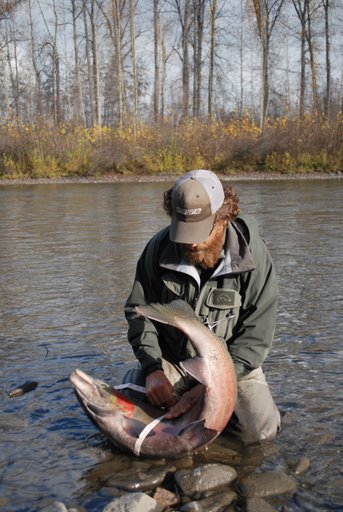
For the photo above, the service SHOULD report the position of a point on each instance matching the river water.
(67, 260)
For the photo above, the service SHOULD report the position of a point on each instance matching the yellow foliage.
(288, 145)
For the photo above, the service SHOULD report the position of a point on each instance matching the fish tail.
(173, 313)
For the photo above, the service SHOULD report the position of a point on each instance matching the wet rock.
(165, 498)
(258, 505)
(56, 506)
(299, 466)
(271, 483)
(127, 474)
(142, 481)
(214, 503)
(135, 502)
(24, 388)
(184, 462)
(204, 478)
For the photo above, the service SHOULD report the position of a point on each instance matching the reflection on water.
(67, 259)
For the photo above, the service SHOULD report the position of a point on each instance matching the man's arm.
(142, 333)
(253, 335)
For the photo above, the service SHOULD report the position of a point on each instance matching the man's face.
(206, 254)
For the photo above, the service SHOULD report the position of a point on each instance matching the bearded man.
(217, 262)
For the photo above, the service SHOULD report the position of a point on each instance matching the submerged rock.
(129, 474)
(143, 480)
(204, 478)
(56, 506)
(258, 505)
(135, 502)
(214, 503)
(271, 483)
(299, 466)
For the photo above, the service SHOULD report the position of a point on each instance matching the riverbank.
(150, 178)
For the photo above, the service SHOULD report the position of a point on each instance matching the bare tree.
(300, 8)
(327, 98)
(37, 70)
(80, 114)
(267, 13)
(56, 70)
(311, 8)
(12, 62)
(198, 31)
(213, 16)
(118, 59)
(88, 63)
(134, 65)
(157, 59)
(95, 63)
(184, 15)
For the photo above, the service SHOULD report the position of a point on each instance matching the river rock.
(204, 478)
(143, 480)
(299, 466)
(166, 498)
(214, 503)
(135, 502)
(258, 505)
(56, 506)
(271, 483)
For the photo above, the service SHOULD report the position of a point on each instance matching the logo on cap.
(188, 211)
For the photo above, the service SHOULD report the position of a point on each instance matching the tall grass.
(286, 146)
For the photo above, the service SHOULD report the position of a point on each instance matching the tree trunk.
(157, 45)
(118, 60)
(13, 69)
(267, 12)
(134, 68)
(213, 15)
(185, 19)
(89, 65)
(56, 72)
(95, 63)
(313, 65)
(38, 91)
(199, 11)
(327, 97)
(80, 114)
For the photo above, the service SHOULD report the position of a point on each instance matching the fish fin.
(132, 427)
(170, 313)
(197, 368)
(197, 430)
(193, 426)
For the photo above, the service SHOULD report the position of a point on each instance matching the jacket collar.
(236, 256)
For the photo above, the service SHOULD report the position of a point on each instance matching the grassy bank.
(287, 146)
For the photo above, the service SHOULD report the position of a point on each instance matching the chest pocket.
(219, 311)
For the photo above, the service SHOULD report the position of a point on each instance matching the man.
(217, 262)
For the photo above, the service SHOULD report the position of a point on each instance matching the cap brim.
(190, 232)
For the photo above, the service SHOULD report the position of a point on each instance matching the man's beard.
(206, 254)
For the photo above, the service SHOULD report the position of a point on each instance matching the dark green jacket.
(238, 302)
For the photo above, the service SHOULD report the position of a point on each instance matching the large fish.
(139, 427)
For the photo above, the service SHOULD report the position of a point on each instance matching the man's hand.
(158, 389)
(185, 403)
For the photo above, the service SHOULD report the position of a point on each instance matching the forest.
(129, 87)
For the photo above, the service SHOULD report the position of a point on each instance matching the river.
(67, 260)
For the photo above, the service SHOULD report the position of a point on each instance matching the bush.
(286, 145)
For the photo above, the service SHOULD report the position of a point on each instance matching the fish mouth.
(92, 394)
(78, 378)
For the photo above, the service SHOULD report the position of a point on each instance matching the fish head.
(98, 399)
